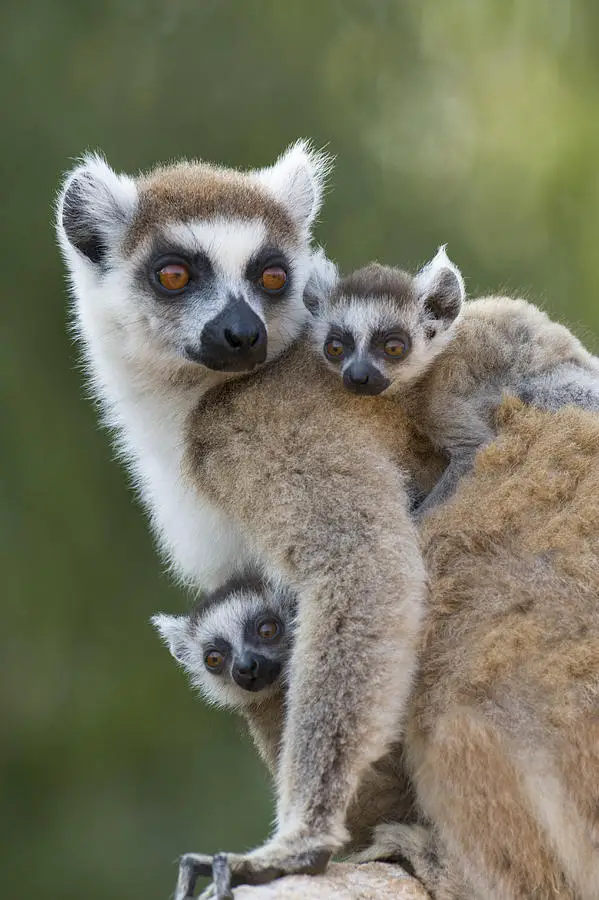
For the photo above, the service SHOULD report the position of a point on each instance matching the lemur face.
(236, 644)
(203, 266)
(382, 328)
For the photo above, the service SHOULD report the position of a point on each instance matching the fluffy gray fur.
(461, 358)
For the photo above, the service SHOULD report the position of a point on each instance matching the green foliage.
(468, 122)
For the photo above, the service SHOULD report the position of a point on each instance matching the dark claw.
(310, 862)
(221, 875)
(191, 866)
(314, 862)
(227, 873)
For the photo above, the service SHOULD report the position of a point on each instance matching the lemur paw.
(191, 867)
(394, 841)
(274, 860)
(220, 888)
(414, 847)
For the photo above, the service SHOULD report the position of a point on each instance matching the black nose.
(254, 672)
(242, 338)
(247, 666)
(359, 373)
(364, 378)
(234, 341)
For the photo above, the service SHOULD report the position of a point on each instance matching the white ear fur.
(94, 207)
(297, 179)
(323, 277)
(441, 280)
(174, 631)
(431, 273)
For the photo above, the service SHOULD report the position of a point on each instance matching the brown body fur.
(498, 342)
(384, 794)
(502, 736)
(501, 345)
(271, 451)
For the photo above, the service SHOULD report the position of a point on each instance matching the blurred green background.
(471, 121)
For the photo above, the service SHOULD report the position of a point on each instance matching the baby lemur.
(235, 646)
(449, 362)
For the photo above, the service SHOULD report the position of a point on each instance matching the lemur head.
(236, 642)
(196, 266)
(381, 328)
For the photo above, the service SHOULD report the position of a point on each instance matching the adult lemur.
(180, 271)
(183, 279)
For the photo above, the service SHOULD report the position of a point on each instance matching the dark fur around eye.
(218, 645)
(345, 337)
(252, 625)
(274, 626)
(377, 344)
(266, 258)
(198, 265)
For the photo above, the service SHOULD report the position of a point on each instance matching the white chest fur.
(148, 414)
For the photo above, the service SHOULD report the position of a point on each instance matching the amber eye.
(268, 629)
(395, 347)
(214, 659)
(173, 277)
(334, 349)
(273, 279)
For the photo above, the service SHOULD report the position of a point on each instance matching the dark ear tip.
(445, 300)
(76, 217)
(311, 303)
(95, 206)
(72, 199)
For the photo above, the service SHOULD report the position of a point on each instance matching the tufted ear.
(297, 179)
(95, 206)
(323, 277)
(441, 287)
(174, 631)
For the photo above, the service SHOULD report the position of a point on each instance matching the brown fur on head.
(188, 191)
(222, 229)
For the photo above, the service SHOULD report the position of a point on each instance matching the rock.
(341, 881)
